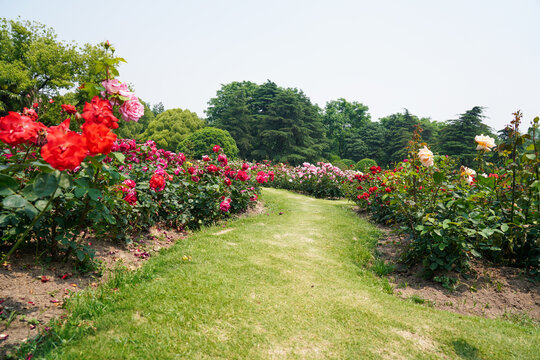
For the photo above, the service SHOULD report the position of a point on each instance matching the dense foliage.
(197, 144)
(451, 213)
(171, 127)
(269, 122)
(62, 182)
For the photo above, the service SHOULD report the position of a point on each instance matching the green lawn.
(271, 286)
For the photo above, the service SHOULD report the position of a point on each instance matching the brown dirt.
(31, 294)
(490, 291)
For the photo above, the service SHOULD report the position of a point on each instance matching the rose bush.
(453, 214)
(59, 183)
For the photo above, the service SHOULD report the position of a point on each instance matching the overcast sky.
(435, 58)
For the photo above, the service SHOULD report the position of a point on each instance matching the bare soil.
(33, 293)
(490, 291)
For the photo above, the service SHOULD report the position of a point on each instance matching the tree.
(288, 125)
(158, 108)
(35, 67)
(231, 111)
(457, 137)
(269, 122)
(201, 142)
(399, 129)
(373, 135)
(355, 148)
(169, 128)
(341, 118)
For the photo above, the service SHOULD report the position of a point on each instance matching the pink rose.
(132, 110)
(115, 87)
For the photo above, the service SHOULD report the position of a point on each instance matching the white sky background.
(435, 58)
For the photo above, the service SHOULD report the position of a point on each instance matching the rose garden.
(303, 228)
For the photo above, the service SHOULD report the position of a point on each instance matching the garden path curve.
(289, 283)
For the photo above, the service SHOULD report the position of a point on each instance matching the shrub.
(171, 127)
(198, 143)
(364, 165)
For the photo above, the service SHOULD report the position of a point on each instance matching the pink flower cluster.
(131, 108)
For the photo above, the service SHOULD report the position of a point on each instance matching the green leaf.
(40, 205)
(45, 184)
(433, 266)
(29, 193)
(446, 223)
(486, 181)
(83, 182)
(31, 211)
(80, 191)
(14, 202)
(438, 177)
(118, 156)
(80, 255)
(530, 156)
(475, 253)
(43, 166)
(504, 227)
(8, 185)
(66, 182)
(94, 194)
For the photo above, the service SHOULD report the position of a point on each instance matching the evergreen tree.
(269, 122)
(457, 137)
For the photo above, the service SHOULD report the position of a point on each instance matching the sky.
(438, 58)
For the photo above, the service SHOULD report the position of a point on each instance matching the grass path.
(271, 286)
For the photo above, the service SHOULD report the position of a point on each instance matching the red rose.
(131, 197)
(100, 112)
(99, 138)
(227, 181)
(225, 205)
(261, 177)
(70, 109)
(222, 158)
(30, 113)
(242, 175)
(157, 183)
(216, 148)
(16, 129)
(212, 168)
(65, 149)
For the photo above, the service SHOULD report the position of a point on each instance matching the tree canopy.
(269, 122)
(35, 66)
(342, 120)
(169, 128)
(457, 137)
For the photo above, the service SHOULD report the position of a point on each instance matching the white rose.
(426, 156)
(484, 142)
